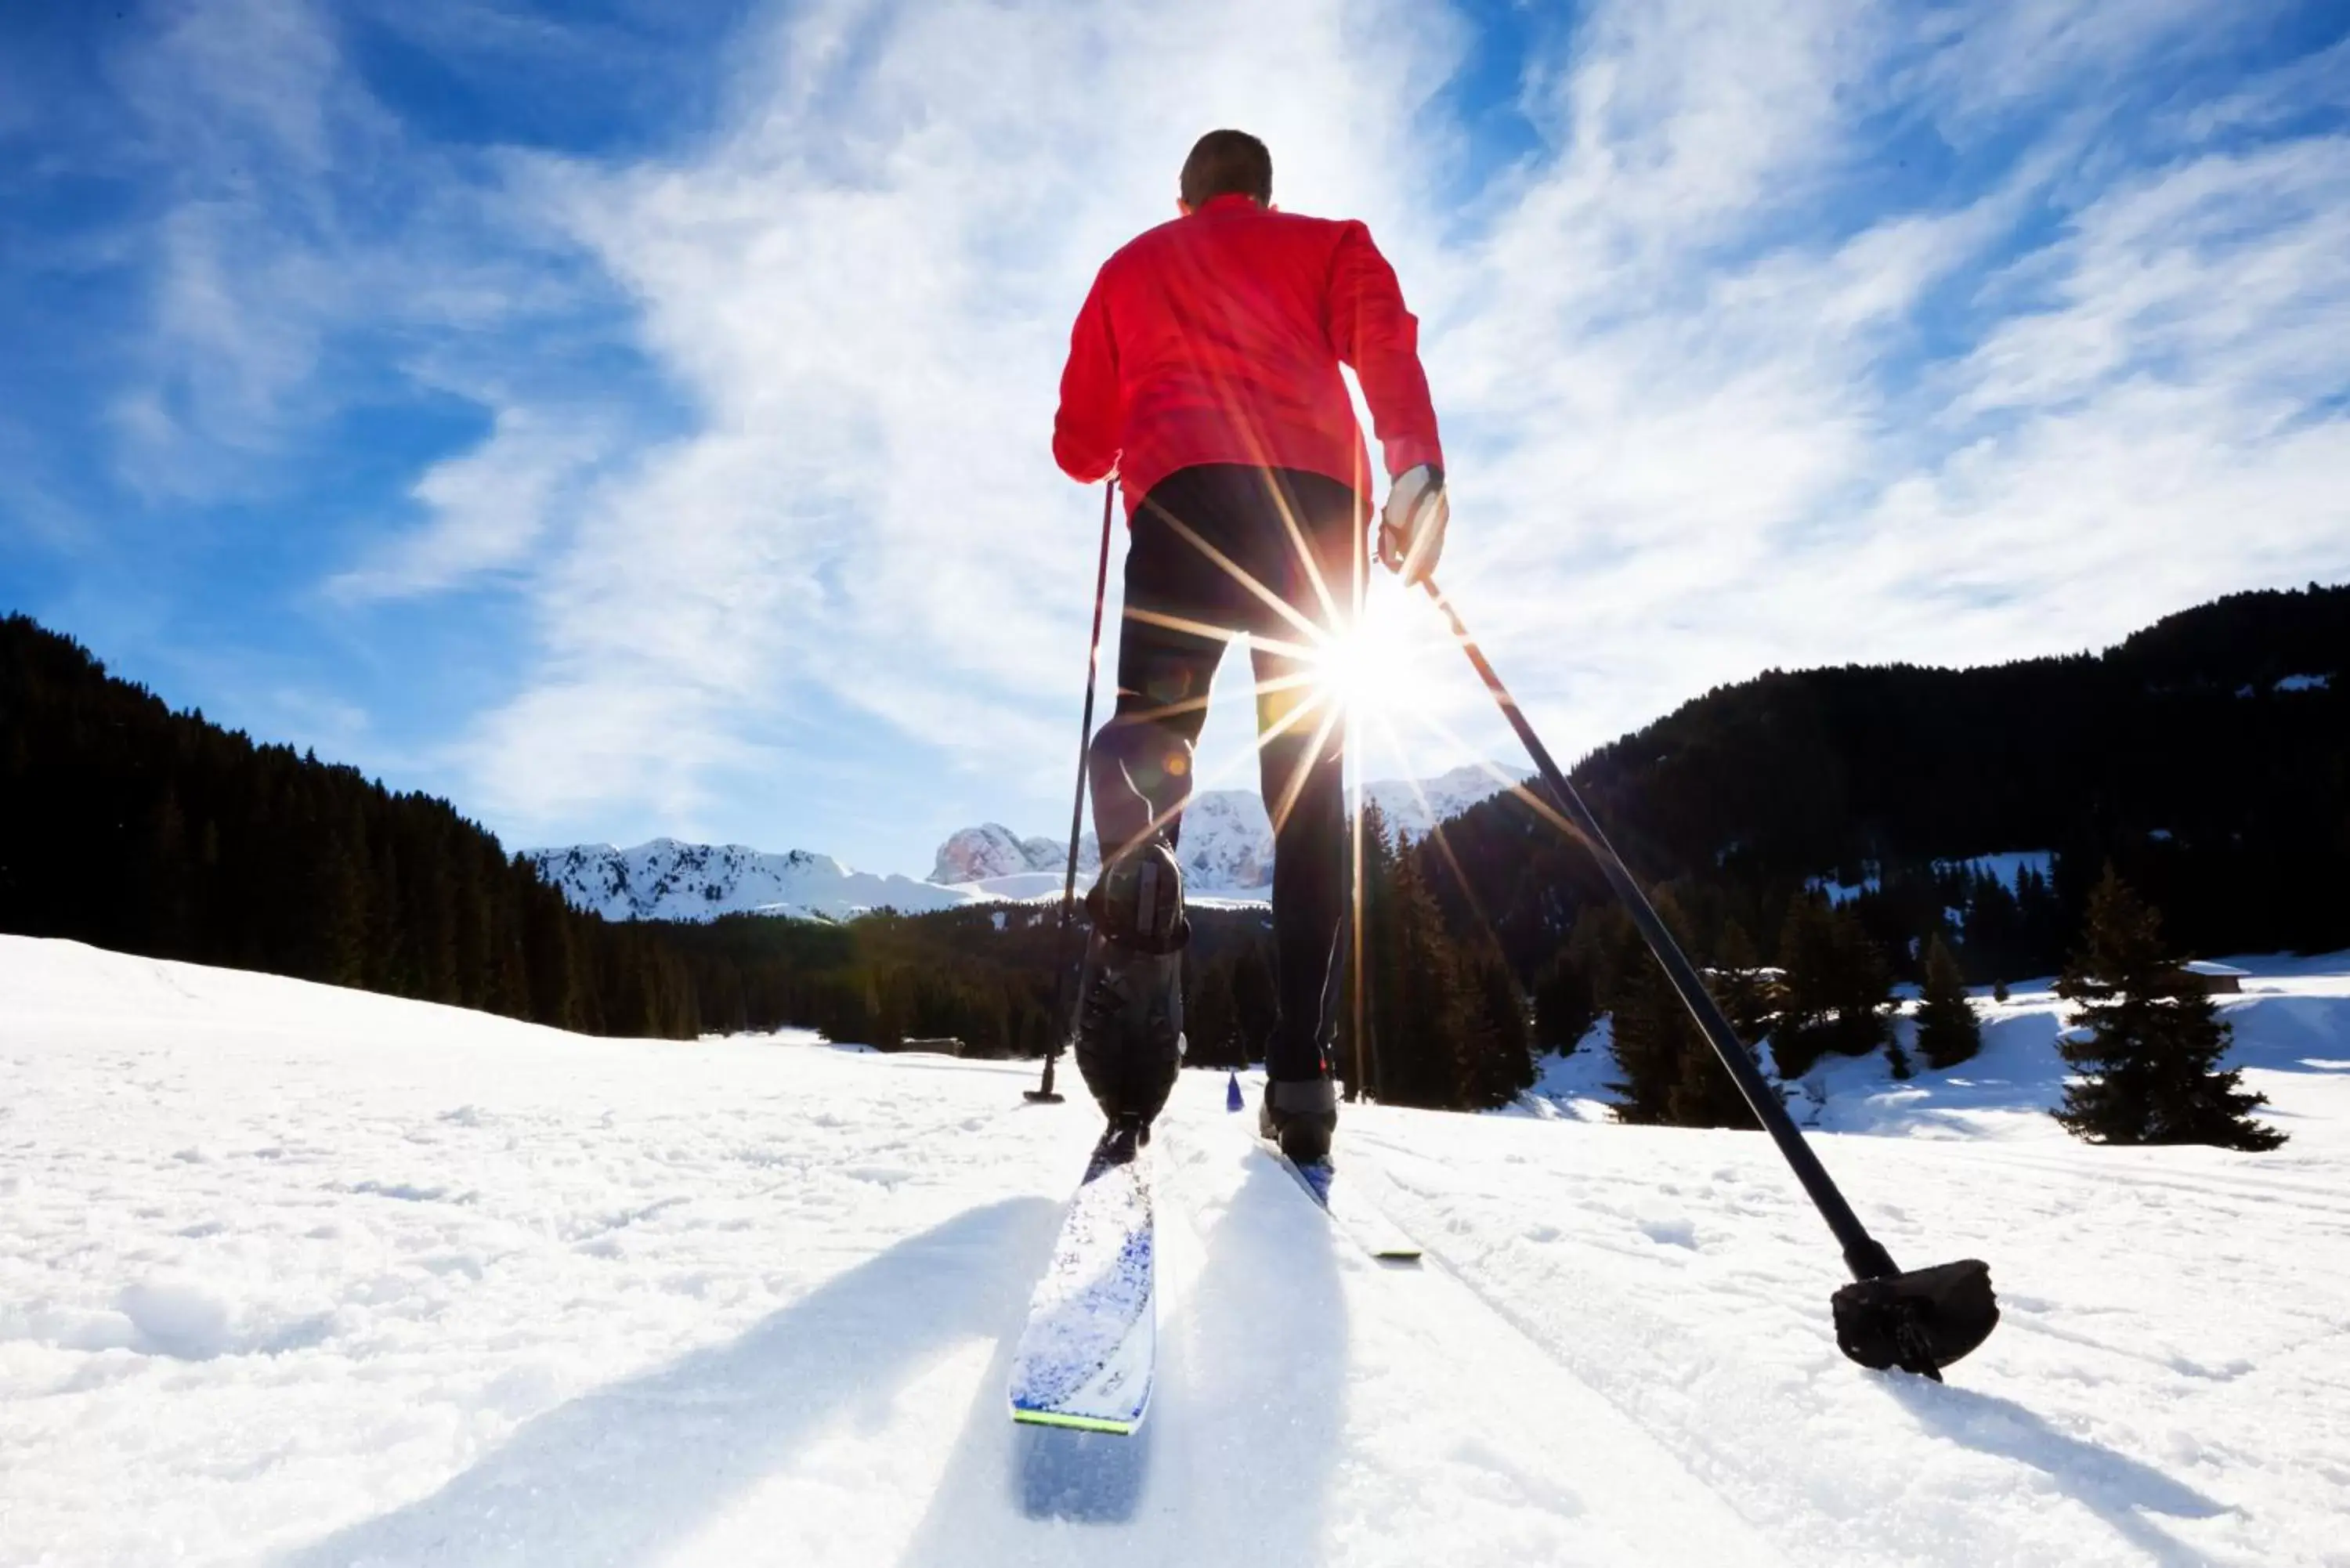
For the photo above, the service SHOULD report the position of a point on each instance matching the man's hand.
(1411, 524)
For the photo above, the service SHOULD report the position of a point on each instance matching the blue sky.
(630, 418)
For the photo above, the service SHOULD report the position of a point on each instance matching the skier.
(1204, 373)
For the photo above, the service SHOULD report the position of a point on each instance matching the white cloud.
(490, 507)
(1708, 410)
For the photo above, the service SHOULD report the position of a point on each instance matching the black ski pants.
(1292, 536)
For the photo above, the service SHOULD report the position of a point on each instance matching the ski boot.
(1300, 1116)
(1130, 1010)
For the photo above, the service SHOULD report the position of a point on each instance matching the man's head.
(1227, 163)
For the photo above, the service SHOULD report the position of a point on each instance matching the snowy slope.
(669, 880)
(302, 1276)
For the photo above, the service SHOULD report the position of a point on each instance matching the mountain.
(343, 1278)
(992, 851)
(669, 880)
(1227, 838)
(1227, 853)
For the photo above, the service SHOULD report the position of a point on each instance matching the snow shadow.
(1247, 1420)
(620, 1475)
(1085, 1477)
(2116, 1488)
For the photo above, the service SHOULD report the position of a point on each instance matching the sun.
(1374, 669)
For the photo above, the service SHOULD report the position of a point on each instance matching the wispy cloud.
(1801, 331)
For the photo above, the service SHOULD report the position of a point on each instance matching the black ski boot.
(1130, 1010)
(1300, 1117)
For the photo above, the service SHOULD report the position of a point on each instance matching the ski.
(1085, 1355)
(1364, 1226)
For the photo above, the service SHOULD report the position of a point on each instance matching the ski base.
(1369, 1229)
(1085, 1357)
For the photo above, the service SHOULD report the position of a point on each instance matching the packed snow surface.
(302, 1276)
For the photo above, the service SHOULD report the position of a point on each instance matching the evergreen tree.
(1255, 1005)
(1651, 1034)
(1492, 1046)
(1647, 1035)
(2146, 1040)
(1838, 989)
(1948, 1031)
(1419, 993)
(1750, 994)
(1210, 1019)
(1566, 1005)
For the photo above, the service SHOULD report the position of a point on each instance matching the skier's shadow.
(623, 1473)
(1082, 1476)
(2116, 1488)
(1244, 1428)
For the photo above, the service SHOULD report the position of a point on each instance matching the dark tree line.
(2184, 757)
(125, 824)
(2187, 756)
(129, 826)
(1443, 1022)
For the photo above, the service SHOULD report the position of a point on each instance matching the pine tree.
(1948, 1031)
(1646, 1035)
(1651, 1034)
(1492, 1047)
(1255, 1007)
(2146, 1040)
(1421, 996)
(1838, 988)
(1210, 1019)
(1565, 1004)
(1751, 995)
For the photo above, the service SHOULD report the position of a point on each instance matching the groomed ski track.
(304, 1276)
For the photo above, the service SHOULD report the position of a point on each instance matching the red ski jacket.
(1218, 337)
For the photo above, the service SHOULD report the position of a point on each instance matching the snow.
(2304, 683)
(298, 1275)
(993, 851)
(2216, 971)
(2004, 868)
(668, 881)
(2008, 867)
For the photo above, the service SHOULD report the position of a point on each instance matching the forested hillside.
(129, 826)
(2208, 757)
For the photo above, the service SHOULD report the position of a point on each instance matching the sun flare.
(1375, 669)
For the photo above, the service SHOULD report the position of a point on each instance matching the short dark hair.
(1227, 163)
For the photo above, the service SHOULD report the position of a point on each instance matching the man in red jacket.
(1204, 371)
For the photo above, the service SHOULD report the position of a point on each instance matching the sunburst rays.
(1344, 676)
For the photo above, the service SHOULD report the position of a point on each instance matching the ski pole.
(1044, 1093)
(1920, 1321)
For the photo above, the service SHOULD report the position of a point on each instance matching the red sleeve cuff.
(1404, 454)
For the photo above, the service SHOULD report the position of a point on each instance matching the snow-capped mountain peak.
(992, 851)
(666, 880)
(1226, 848)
